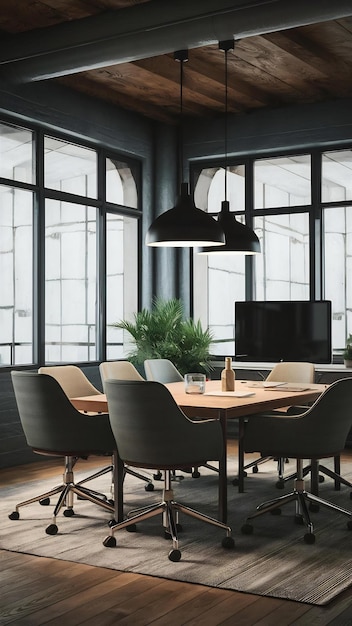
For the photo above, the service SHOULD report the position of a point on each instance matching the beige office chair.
(119, 370)
(75, 384)
(319, 432)
(288, 372)
(52, 426)
(151, 431)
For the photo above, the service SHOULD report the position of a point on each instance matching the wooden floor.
(37, 590)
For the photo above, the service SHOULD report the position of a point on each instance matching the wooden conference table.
(222, 407)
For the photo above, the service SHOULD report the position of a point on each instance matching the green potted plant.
(164, 333)
(347, 353)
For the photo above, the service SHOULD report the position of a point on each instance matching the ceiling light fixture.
(184, 225)
(239, 238)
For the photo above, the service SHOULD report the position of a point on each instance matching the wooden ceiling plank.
(279, 65)
(321, 58)
(94, 89)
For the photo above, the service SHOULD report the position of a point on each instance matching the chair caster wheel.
(309, 538)
(132, 528)
(109, 542)
(44, 502)
(349, 525)
(149, 487)
(321, 478)
(69, 512)
(255, 469)
(228, 543)
(280, 484)
(14, 515)
(174, 555)
(314, 507)
(275, 512)
(299, 520)
(111, 523)
(51, 529)
(196, 474)
(247, 529)
(157, 476)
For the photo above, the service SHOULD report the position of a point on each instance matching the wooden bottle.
(227, 376)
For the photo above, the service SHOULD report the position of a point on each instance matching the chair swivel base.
(169, 509)
(66, 490)
(301, 497)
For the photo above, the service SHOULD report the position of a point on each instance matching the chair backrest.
(151, 430)
(292, 372)
(119, 370)
(51, 423)
(319, 432)
(72, 380)
(161, 371)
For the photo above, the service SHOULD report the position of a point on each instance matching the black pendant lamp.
(239, 238)
(184, 225)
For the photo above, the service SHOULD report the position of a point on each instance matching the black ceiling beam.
(151, 29)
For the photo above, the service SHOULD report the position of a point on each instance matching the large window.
(304, 225)
(70, 282)
(338, 270)
(16, 272)
(68, 249)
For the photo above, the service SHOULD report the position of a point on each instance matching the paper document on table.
(233, 394)
(288, 387)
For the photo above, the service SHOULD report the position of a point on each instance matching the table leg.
(241, 455)
(223, 471)
(118, 478)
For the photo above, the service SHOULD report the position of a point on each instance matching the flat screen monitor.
(273, 331)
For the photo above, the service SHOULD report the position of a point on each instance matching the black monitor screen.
(283, 331)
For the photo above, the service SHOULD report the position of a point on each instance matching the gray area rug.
(274, 561)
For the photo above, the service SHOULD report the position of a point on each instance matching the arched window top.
(210, 188)
(121, 186)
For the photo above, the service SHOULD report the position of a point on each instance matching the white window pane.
(70, 168)
(282, 268)
(282, 182)
(70, 281)
(338, 271)
(16, 271)
(120, 184)
(16, 153)
(122, 280)
(337, 176)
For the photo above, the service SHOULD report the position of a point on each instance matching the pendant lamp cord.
(226, 119)
(226, 46)
(181, 121)
(181, 56)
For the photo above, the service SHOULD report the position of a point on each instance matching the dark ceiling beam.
(149, 30)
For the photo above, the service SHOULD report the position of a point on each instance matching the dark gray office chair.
(320, 432)
(124, 370)
(53, 427)
(287, 372)
(151, 431)
(75, 383)
(164, 371)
